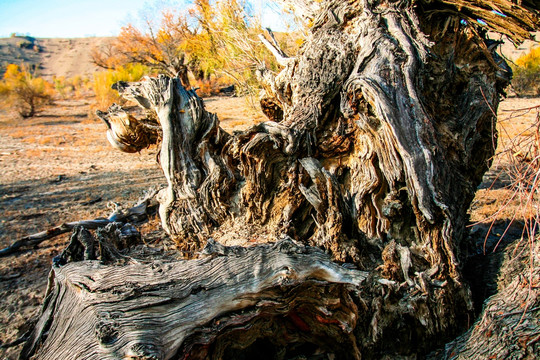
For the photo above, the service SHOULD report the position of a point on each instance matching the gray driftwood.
(383, 125)
(196, 309)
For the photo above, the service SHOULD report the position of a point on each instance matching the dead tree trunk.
(211, 308)
(387, 128)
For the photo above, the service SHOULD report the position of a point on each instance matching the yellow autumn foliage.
(103, 81)
(526, 80)
(22, 91)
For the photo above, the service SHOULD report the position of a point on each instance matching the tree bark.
(388, 118)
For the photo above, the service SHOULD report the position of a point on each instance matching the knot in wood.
(106, 332)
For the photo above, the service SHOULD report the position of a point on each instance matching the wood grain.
(164, 310)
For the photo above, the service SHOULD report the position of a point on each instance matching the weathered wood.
(200, 179)
(509, 325)
(275, 49)
(197, 309)
(136, 214)
(125, 132)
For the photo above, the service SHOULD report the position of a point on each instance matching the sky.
(83, 18)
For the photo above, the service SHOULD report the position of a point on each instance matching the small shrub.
(61, 86)
(80, 85)
(25, 44)
(103, 81)
(22, 91)
(73, 87)
(526, 80)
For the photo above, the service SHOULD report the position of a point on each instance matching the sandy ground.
(53, 57)
(58, 167)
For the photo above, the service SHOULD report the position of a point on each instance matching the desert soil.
(58, 167)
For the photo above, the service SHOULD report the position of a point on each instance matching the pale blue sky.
(78, 18)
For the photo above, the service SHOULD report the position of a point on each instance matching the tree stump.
(387, 126)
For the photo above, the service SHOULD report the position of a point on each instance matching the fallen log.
(135, 214)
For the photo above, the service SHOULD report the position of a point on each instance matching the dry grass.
(522, 154)
(516, 133)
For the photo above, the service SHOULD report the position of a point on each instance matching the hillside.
(51, 57)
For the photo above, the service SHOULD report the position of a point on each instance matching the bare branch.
(274, 48)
